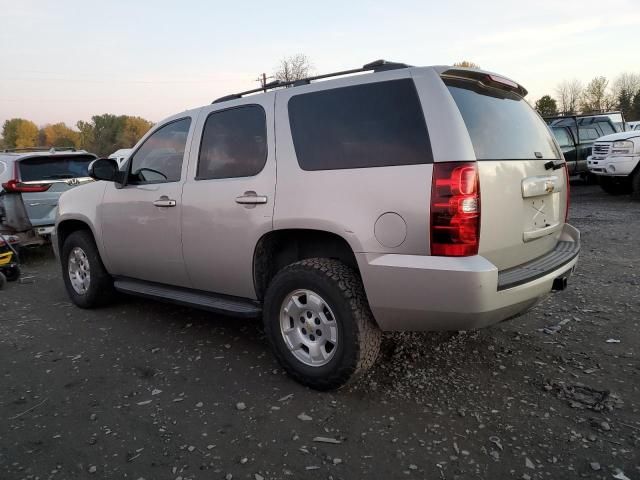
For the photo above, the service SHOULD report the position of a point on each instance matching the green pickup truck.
(576, 134)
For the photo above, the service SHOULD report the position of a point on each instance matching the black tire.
(635, 185)
(100, 291)
(342, 290)
(615, 186)
(12, 273)
(3, 280)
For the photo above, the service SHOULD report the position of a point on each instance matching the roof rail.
(39, 149)
(376, 66)
(582, 115)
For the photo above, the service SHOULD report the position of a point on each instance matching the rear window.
(55, 168)
(501, 124)
(368, 125)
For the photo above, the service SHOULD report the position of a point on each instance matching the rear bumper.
(411, 292)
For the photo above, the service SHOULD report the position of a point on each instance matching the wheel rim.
(309, 328)
(79, 271)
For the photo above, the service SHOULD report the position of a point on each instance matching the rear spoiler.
(487, 78)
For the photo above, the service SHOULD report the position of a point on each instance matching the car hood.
(614, 137)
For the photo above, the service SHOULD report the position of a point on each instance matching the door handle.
(251, 198)
(164, 201)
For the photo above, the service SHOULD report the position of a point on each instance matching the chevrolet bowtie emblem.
(73, 182)
(549, 186)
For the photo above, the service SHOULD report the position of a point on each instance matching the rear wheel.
(12, 273)
(319, 324)
(614, 186)
(3, 280)
(87, 281)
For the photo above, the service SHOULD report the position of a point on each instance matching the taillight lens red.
(566, 177)
(16, 186)
(455, 209)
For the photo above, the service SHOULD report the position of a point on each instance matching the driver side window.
(159, 159)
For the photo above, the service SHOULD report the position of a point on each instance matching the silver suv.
(401, 198)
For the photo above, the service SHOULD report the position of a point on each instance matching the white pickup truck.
(615, 159)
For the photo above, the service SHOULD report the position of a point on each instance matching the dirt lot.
(148, 390)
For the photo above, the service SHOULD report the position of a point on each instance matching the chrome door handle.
(250, 198)
(164, 201)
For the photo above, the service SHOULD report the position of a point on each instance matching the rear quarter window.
(368, 125)
(58, 167)
(501, 124)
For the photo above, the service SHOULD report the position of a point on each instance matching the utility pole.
(263, 80)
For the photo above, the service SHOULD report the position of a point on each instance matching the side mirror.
(104, 169)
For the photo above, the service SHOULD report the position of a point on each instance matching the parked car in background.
(121, 156)
(576, 135)
(378, 222)
(631, 126)
(616, 162)
(31, 182)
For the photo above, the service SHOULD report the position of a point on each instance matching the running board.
(224, 304)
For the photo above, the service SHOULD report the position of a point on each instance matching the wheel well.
(67, 227)
(280, 248)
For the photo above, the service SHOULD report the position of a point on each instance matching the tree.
(106, 128)
(625, 88)
(293, 68)
(466, 64)
(635, 108)
(133, 129)
(85, 135)
(59, 135)
(569, 93)
(594, 96)
(19, 133)
(547, 106)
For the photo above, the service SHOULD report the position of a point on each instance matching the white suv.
(401, 198)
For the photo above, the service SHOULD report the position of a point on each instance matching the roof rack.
(39, 149)
(376, 66)
(582, 115)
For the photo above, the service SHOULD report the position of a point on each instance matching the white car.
(616, 161)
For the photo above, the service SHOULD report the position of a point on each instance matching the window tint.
(587, 134)
(562, 136)
(159, 159)
(606, 128)
(501, 124)
(234, 143)
(369, 125)
(54, 168)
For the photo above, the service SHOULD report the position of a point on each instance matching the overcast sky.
(67, 60)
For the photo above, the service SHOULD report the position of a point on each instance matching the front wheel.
(614, 186)
(319, 324)
(87, 281)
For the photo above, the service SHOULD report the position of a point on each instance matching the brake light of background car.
(16, 186)
(455, 209)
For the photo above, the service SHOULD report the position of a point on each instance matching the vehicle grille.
(601, 150)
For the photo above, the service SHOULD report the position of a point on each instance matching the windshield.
(501, 124)
(58, 167)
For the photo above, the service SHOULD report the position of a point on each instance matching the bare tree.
(293, 68)
(569, 93)
(626, 82)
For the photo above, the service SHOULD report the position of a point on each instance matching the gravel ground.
(154, 391)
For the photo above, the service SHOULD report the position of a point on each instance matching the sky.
(68, 60)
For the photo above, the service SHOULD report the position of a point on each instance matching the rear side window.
(587, 134)
(369, 125)
(56, 167)
(563, 137)
(234, 143)
(501, 124)
(606, 128)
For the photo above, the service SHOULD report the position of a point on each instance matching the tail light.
(455, 209)
(566, 178)
(16, 186)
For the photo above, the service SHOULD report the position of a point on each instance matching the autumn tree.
(133, 128)
(59, 135)
(547, 106)
(19, 133)
(466, 64)
(293, 68)
(594, 96)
